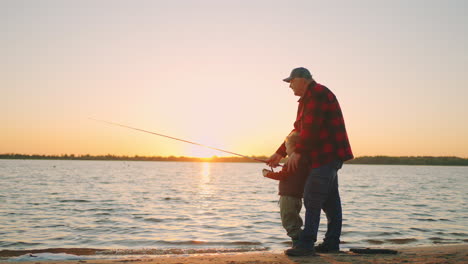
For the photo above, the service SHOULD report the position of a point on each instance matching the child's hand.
(265, 172)
(293, 161)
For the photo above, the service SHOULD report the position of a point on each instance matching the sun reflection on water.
(205, 191)
(205, 173)
(205, 188)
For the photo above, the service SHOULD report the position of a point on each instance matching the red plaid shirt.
(321, 127)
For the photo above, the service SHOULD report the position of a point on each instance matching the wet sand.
(432, 254)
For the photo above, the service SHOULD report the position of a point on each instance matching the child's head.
(291, 141)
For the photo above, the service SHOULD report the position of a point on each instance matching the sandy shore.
(432, 254)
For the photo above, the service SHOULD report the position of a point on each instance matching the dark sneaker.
(326, 248)
(300, 252)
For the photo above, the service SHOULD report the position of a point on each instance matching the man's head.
(298, 80)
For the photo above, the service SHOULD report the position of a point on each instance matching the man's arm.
(280, 153)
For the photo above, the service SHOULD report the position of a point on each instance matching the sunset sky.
(211, 72)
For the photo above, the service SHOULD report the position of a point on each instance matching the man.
(323, 139)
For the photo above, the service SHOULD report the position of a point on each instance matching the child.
(291, 189)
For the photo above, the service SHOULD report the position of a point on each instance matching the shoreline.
(455, 253)
(449, 161)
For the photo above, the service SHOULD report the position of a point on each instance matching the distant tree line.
(128, 158)
(410, 160)
(377, 160)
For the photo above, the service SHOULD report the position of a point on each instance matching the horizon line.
(214, 156)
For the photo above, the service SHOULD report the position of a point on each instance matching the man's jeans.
(321, 192)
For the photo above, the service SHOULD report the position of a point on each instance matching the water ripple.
(190, 205)
(75, 201)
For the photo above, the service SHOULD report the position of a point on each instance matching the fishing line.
(183, 140)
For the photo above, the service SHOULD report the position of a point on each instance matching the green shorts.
(290, 208)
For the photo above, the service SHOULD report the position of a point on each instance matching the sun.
(201, 152)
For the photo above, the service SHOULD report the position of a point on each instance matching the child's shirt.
(291, 183)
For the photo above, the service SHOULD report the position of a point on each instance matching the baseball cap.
(300, 72)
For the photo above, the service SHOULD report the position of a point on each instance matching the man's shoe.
(325, 248)
(300, 252)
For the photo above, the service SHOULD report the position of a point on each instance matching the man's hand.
(293, 161)
(274, 160)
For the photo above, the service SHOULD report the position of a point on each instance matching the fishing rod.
(183, 140)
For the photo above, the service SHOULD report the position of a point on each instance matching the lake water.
(224, 206)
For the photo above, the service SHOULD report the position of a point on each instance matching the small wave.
(205, 226)
(374, 241)
(171, 199)
(197, 242)
(208, 214)
(47, 257)
(419, 214)
(437, 238)
(74, 251)
(18, 244)
(102, 214)
(420, 229)
(267, 222)
(154, 220)
(102, 221)
(99, 209)
(176, 251)
(232, 234)
(157, 220)
(244, 243)
(179, 219)
(458, 234)
(74, 201)
(389, 233)
(140, 215)
(49, 226)
(426, 219)
(401, 240)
